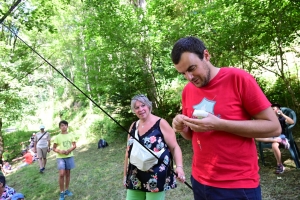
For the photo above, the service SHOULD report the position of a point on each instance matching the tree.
(17, 60)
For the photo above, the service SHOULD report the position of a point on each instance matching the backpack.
(102, 144)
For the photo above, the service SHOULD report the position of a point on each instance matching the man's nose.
(189, 75)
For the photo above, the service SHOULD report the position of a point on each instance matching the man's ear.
(206, 55)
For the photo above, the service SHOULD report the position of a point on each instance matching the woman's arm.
(170, 139)
(288, 120)
(125, 169)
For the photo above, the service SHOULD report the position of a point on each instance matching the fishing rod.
(74, 85)
(10, 10)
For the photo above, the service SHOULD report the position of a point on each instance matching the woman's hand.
(180, 173)
(124, 181)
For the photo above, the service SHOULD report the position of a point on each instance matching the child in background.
(7, 168)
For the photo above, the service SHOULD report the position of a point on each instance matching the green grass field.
(98, 175)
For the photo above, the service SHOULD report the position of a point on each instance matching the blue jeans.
(204, 192)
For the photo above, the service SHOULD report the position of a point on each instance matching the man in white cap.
(42, 146)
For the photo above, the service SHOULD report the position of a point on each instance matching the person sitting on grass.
(281, 140)
(7, 168)
(6, 192)
(27, 159)
(34, 155)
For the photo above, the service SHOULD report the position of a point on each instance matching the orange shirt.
(28, 158)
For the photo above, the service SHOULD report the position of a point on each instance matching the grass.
(98, 175)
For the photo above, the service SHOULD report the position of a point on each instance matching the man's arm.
(16, 159)
(264, 124)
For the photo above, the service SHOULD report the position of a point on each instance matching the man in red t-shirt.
(27, 159)
(225, 158)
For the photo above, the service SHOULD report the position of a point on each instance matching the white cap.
(42, 127)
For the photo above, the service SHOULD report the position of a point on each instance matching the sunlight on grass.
(98, 175)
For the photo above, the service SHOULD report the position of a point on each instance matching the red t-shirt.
(222, 159)
(28, 158)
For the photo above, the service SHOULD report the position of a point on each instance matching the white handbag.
(140, 155)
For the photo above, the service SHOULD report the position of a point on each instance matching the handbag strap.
(41, 137)
(136, 135)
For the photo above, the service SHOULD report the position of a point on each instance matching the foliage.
(277, 91)
(257, 36)
(17, 60)
(13, 142)
(112, 50)
(107, 129)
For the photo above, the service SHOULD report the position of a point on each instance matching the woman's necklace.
(144, 124)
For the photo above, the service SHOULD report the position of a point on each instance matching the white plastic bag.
(140, 156)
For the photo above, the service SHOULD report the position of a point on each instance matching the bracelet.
(179, 166)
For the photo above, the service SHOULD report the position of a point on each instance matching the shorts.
(65, 163)
(204, 192)
(42, 152)
(23, 165)
(141, 195)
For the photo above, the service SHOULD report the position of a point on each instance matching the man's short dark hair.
(63, 122)
(188, 44)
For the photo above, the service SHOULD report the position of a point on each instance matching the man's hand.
(178, 123)
(208, 123)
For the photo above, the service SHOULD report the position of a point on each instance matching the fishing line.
(10, 10)
(74, 85)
